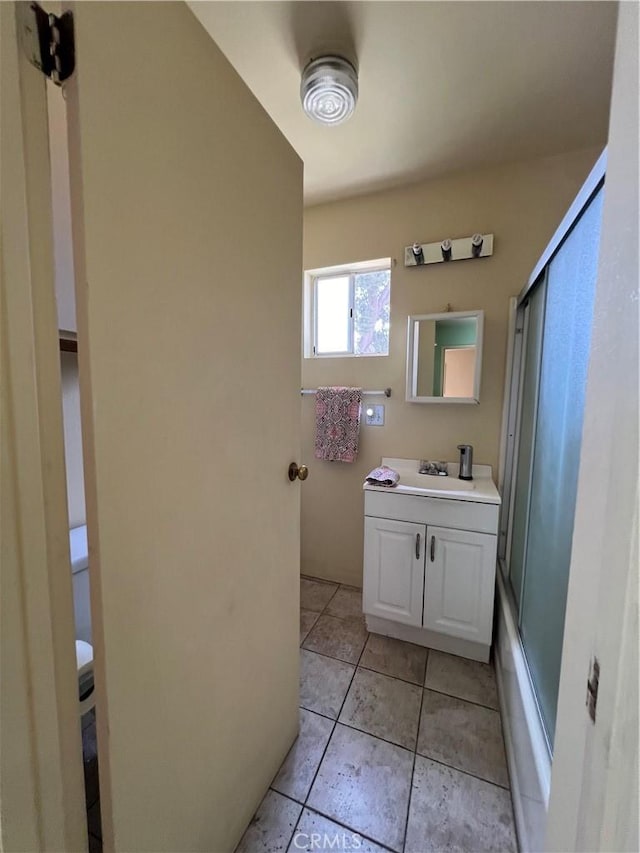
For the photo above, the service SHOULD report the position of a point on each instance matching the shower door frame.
(514, 395)
(514, 375)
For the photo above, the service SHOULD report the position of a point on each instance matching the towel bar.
(386, 392)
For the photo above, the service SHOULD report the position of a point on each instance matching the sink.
(412, 483)
(428, 482)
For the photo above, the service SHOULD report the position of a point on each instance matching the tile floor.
(400, 747)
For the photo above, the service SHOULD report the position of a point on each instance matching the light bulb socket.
(476, 245)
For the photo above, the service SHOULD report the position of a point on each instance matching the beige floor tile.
(272, 826)
(346, 603)
(317, 833)
(308, 619)
(466, 679)
(395, 658)
(323, 683)
(384, 707)
(464, 735)
(315, 595)
(338, 638)
(364, 783)
(296, 774)
(451, 811)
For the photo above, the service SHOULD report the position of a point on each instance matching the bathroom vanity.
(430, 558)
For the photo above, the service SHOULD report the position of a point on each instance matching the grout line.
(335, 723)
(318, 580)
(333, 583)
(324, 752)
(377, 737)
(506, 758)
(291, 800)
(360, 620)
(426, 665)
(413, 766)
(318, 713)
(464, 772)
(346, 826)
(286, 796)
(330, 657)
(461, 699)
(386, 674)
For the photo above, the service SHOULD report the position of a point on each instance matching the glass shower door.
(555, 459)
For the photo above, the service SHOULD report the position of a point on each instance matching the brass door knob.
(301, 472)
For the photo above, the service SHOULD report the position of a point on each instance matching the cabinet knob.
(417, 546)
(433, 548)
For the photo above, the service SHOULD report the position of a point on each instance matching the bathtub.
(527, 751)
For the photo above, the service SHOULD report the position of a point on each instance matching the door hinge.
(49, 41)
(592, 688)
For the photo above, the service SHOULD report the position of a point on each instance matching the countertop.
(481, 489)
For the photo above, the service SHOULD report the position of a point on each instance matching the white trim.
(521, 723)
(41, 777)
(358, 266)
(310, 306)
(411, 384)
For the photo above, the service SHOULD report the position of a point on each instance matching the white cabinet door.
(459, 583)
(394, 569)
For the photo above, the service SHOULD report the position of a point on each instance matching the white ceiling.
(444, 86)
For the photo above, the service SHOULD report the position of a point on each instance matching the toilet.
(82, 613)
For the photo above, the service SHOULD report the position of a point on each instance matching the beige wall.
(521, 204)
(72, 438)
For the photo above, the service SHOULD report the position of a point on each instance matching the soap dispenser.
(466, 462)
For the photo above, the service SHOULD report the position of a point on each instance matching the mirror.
(444, 357)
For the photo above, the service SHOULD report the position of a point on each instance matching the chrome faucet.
(466, 462)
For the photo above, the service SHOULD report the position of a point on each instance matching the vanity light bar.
(476, 246)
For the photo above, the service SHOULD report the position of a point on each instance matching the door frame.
(41, 773)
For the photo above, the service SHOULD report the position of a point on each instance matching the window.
(347, 310)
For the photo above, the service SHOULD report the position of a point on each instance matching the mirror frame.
(412, 357)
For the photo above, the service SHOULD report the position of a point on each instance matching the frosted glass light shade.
(329, 89)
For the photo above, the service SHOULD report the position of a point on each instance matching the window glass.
(371, 313)
(332, 314)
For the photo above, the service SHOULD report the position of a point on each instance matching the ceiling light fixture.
(329, 89)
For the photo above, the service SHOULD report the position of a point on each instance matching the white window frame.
(310, 314)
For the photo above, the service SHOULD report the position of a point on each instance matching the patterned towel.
(337, 423)
(383, 476)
